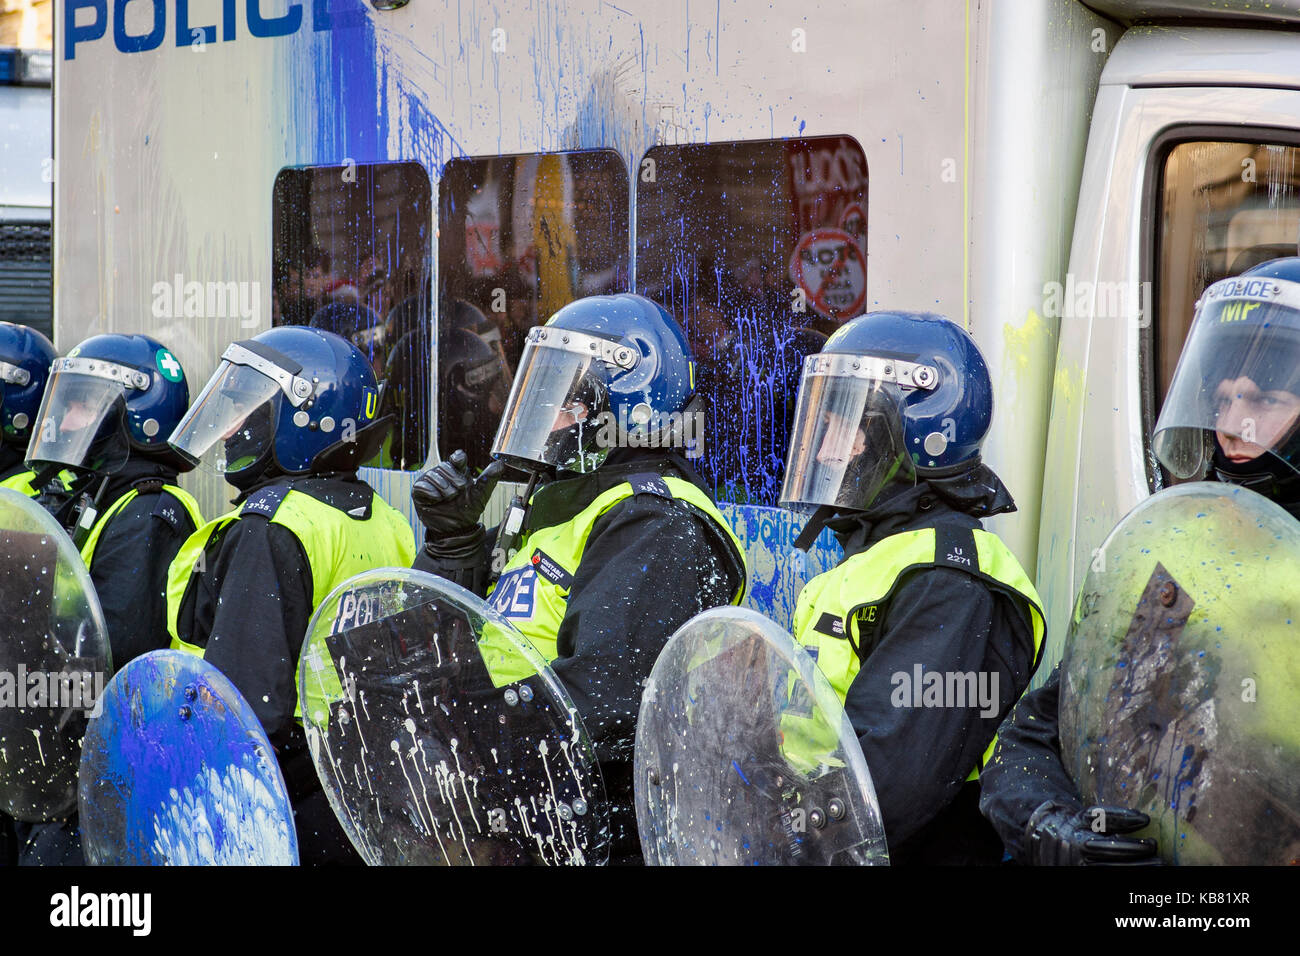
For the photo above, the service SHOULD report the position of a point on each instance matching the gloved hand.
(449, 501)
(1057, 835)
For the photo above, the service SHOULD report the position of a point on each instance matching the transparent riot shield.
(1180, 685)
(176, 770)
(54, 661)
(744, 755)
(440, 734)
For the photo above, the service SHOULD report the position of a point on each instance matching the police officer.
(886, 452)
(620, 544)
(287, 419)
(25, 359)
(1232, 414)
(107, 410)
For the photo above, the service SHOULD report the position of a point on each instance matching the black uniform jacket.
(944, 620)
(650, 565)
(1026, 769)
(249, 606)
(135, 549)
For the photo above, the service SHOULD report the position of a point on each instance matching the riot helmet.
(25, 359)
(890, 397)
(472, 395)
(111, 396)
(1233, 407)
(465, 315)
(606, 371)
(290, 401)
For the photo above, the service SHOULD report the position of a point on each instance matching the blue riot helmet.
(110, 397)
(890, 397)
(606, 371)
(290, 401)
(1233, 406)
(25, 359)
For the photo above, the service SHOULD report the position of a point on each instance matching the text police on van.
(85, 21)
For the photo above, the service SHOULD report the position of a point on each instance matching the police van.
(1062, 177)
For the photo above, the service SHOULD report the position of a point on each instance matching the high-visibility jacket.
(839, 613)
(338, 546)
(533, 589)
(183, 499)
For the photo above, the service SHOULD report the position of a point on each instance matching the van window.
(760, 249)
(1224, 207)
(518, 238)
(351, 254)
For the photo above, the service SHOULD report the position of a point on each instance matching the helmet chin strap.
(814, 526)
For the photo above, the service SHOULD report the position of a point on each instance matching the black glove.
(449, 501)
(1057, 835)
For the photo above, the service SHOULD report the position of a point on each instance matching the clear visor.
(81, 412)
(1238, 379)
(555, 410)
(232, 423)
(847, 442)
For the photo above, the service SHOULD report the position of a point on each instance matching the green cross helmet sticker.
(167, 364)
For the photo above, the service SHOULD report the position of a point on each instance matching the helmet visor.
(555, 410)
(81, 415)
(1238, 378)
(847, 441)
(232, 423)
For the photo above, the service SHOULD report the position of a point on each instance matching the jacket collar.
(136, 471)
(342, 490)
(559, 500)
(963, 498)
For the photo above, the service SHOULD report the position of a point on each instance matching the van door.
(1192, 174)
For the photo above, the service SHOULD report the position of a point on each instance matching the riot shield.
(440, 734)
(745, 756)
(1180, 685)
(176, 770)
(54, 661)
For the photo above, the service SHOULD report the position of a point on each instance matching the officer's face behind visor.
(81, 412)
(232, 423)
(553, 416)
(1238, 380)
(847, 442)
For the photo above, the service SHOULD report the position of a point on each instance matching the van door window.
(351, 255)
(519, 237)
(1224, 207)
(760, 248)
